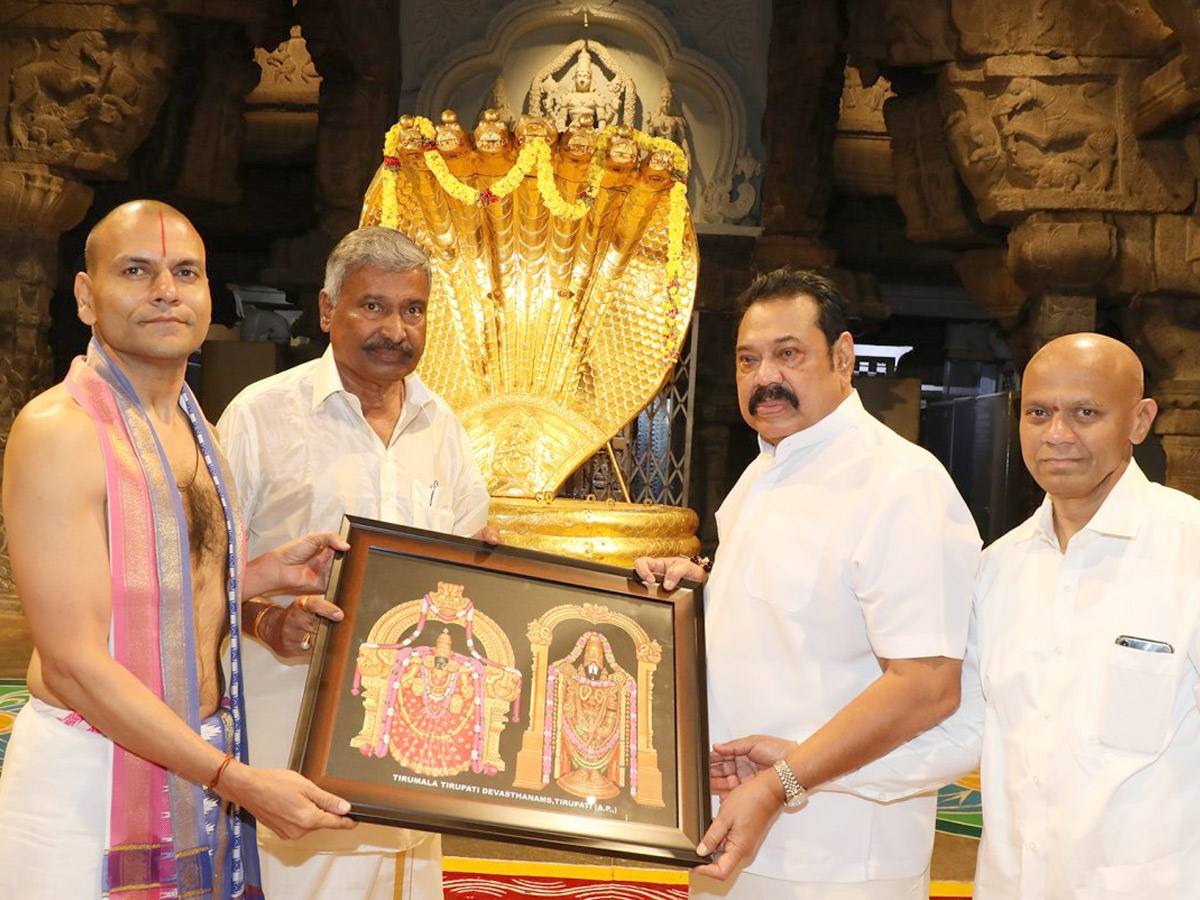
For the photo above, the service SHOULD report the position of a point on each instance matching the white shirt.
(843, 544)
(1091, 750)
(302, 454)
(1091, 754)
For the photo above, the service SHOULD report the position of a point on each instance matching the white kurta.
(1090, 750)
(302, 455)
(1091, 754)
(842, 544)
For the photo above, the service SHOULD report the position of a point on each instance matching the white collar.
(847, 414)
(327, 381)
(1120, 515)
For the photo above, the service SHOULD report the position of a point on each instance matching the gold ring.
(303, 603)
(306, 641)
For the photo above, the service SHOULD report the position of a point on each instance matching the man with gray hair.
(355, 432)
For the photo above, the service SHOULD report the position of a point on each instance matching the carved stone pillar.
(227, 73)
(804, 84)
(1060, 260)
(80, 85)
(927, 186)
(354, 46)
(35, 207)
(1167, 331)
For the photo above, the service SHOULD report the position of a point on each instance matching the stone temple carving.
(665, 122)
(77, 97)
(497, 99)
(563, 91)
(1029, 134)
(722, 201)
(1053, 140)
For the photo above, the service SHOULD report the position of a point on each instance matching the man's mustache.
(765, 392)
(382, 343)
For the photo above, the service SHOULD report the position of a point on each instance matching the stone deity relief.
(435, 710)
(665, 122)
(583, 78)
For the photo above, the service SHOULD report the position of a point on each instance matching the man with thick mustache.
(353, 432)
(836, 617)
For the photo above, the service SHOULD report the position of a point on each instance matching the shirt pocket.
(431, 506)
(784, 559)
(1137, 699)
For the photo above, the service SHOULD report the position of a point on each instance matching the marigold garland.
(537, 157)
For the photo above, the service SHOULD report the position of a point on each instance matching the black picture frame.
(505, 693)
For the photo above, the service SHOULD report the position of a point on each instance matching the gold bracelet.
(266, 608)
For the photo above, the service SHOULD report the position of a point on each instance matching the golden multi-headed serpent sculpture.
(564, 274)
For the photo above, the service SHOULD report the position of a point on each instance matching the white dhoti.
(54, 806)
(310, 869)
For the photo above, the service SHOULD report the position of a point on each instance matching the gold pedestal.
(598, 530)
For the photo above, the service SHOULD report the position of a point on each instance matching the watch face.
(797, 801)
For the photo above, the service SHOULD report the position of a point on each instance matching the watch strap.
(794, 794)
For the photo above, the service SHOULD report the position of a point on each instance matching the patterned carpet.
(499, 879)
(13, 696)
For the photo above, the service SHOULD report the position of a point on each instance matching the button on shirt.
(1091, 750)
(302, 454)
(841, 545)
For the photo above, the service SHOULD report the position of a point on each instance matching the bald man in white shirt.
(353, 432)
(1083, 671)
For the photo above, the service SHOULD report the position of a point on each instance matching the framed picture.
(505, 693)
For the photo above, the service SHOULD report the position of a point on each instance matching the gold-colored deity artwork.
(591, 728)
(591, 710)
(564, 276)
(433, 709)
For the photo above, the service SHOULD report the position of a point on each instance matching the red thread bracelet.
(212, 785)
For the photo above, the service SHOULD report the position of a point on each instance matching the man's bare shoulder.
(54, 415)
(53, 437)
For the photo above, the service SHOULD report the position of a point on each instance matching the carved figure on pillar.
(927, 185)
(1053, 142)
(85, 100)
(76, 104)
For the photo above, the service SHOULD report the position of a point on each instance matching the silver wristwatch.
(794, 795)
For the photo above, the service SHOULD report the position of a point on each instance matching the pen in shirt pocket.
(1149, 646)
(433, 490)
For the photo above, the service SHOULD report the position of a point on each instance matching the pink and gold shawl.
(158, 847)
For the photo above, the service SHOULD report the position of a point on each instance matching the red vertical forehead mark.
(162, 228)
